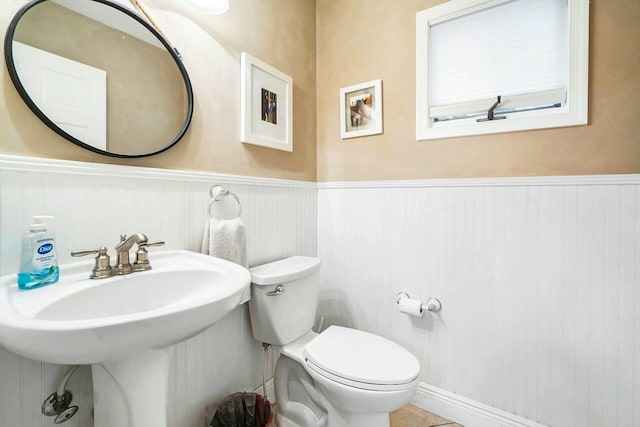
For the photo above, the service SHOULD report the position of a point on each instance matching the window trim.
(573, 113)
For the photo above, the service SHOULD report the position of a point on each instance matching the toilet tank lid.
(284, 270)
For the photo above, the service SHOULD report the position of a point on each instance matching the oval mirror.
(99, 75)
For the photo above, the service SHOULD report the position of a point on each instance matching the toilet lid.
(360, 359)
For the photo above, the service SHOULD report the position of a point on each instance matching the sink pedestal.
(132, 392)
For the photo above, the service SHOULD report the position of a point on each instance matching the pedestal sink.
(122, 326)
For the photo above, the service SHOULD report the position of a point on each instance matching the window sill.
(513, 123)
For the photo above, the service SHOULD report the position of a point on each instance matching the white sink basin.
(121, 325)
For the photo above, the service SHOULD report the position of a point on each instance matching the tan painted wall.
(361, 41)
(280, 32)
(356, 43)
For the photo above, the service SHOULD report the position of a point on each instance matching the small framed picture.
(266, 105)
(361, 109)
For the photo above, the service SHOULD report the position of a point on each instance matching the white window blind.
(516, 49)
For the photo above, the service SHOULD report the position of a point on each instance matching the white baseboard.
(451, 406)
(465, 411)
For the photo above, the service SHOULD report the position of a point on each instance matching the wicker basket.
(243, 410)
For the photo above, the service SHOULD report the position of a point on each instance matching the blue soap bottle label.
(39, 264)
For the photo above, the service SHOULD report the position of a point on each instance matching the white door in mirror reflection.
(73, 95)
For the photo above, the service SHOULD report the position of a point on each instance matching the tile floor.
(412, 416)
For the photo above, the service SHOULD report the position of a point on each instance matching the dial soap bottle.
(39, 265)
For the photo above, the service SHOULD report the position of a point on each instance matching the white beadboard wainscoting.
(93, 204)
(539, 280)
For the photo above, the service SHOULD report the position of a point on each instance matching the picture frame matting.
(266, 107)
(361, 109)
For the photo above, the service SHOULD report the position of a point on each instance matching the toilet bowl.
(341, 377)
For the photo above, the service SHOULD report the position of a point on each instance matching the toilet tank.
(284, 298)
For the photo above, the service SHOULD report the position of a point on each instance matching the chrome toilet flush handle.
(279, 290)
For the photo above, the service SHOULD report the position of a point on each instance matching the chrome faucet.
(102, 268)
(123, 266)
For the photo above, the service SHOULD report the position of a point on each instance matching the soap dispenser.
(39, 264)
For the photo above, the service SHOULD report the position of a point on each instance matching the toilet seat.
(362, 360)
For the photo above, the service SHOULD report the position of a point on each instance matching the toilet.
(341, 377)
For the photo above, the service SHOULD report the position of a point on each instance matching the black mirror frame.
(8, 55)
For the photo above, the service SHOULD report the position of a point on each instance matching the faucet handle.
(101, 251)
(76, 254)
(102, 267)
(142, 255)
(150, 245)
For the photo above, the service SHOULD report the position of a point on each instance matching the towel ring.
(217, 192)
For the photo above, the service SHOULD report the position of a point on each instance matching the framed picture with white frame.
(266, 106)
(361, 109)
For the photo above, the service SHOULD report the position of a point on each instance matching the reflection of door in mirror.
(73, 95)
(148, 95)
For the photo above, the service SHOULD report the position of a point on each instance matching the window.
(528, 59)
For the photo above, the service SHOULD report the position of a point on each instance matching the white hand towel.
(226, 239)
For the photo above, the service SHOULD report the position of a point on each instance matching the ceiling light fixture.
(189, 8)
(209, 7)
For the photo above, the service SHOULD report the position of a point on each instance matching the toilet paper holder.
(432, 304)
